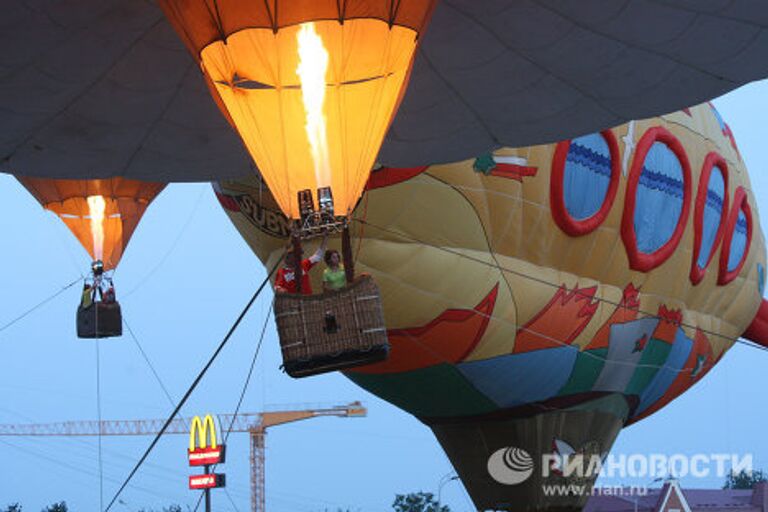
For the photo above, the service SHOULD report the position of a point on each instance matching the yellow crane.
(255, 424)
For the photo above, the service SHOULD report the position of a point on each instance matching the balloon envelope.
(95, 89)
(543, 297)
(125, 201)
(303, 132)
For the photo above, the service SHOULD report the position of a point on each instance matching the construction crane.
(255, 424)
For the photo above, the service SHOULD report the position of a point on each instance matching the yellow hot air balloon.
(310, 86)
(102, 214)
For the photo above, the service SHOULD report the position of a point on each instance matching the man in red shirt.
(285, 281)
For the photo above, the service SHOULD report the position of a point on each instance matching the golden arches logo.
(201, 431)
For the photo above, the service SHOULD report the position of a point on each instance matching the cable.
(73, 468)
(250, 373)
(40, 304)
(526, 276)
(170, 249)
(193, 386)
(752, 344)
(57, 229)
(146, 360)
(242, 396)
(98, 414)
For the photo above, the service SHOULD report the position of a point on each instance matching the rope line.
(98, 414)
(242, 397)
(40, 304)
(192, 387)
(171, 249)
(517, 326)
(149, 363)
(531, 278)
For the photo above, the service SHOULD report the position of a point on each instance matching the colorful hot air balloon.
(102, 214)
(539, 299)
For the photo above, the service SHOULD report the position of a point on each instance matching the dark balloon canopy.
(94, 88)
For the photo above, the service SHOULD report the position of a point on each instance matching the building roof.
(630, 499)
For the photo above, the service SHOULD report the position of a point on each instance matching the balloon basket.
(99, 320)
(333, 330)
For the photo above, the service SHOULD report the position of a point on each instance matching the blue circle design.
(587, 176)
(659, 199)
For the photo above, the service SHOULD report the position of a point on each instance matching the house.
(671, 498)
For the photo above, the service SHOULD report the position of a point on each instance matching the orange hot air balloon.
(101, 213)
(311, 86)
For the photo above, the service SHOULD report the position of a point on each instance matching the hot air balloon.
(109, 90)
(539, 299)
(102, 214)
(311, 88)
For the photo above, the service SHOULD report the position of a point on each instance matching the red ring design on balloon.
(711, 161)
(645, 262)
(563, 219)
(740, 203)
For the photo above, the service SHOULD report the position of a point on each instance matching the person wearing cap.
(285, 282)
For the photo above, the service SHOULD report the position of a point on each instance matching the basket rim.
(360, 280)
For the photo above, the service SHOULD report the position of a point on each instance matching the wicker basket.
(333, 330)
(99, 320)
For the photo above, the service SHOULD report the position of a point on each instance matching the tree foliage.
(744, 479)
(418, 502)
(171, 508)
(56, 507)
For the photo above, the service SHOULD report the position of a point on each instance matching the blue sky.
(183, 281)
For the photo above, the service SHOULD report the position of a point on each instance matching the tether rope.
(40, 304)
(146, 360)
(242, 397)
(542, 281)
(171, 249)
(192, 387)
(98, 414)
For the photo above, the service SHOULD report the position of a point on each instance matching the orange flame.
(96, 207)
(313, 65)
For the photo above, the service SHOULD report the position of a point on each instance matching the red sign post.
(207, 481)
(206, 456)
(205, 451)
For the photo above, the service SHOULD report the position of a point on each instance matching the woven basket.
(99, 320)
(333, 330)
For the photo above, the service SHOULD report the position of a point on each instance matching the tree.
(744, 479)
(15, 507)
(171, 508)
(56, 507)
(418, 502)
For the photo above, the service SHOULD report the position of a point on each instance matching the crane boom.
(255, 424)
(243, 422)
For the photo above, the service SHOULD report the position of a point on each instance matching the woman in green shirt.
(333, 276)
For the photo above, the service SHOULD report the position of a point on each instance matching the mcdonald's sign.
(207, 481)
(204, 448)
